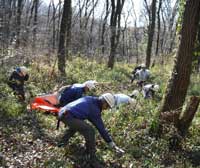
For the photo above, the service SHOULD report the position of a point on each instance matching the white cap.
(90, 84)
(135, 93)
(24, 70)
(142, 66)
(156, 88)
(109, 98)
(132, 101)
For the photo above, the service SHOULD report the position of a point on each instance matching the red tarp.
(45, 103)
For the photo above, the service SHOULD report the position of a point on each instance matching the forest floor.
(28, 138)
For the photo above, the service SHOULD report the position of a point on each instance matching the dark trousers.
(77, 125)
(18, 90)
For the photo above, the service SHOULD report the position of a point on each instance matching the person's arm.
(11, 76)
(26, 77)
(98, 123)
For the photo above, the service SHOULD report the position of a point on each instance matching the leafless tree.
(151, 28)
(65, 36)
(115, 20)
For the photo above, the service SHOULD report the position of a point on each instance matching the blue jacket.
(89, 107)
(70, 94)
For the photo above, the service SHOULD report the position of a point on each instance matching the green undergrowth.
(33, 135)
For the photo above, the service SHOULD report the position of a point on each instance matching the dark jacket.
(16, 81)
(71, 93)
(89, 108)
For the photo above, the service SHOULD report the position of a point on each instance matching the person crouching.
(90, 108)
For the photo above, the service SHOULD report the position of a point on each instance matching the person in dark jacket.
(75, 92)
(139, 67)
(90, 108)
(16, 81)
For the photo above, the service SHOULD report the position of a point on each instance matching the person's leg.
(84, 129)
(20, 93)
(68, 133)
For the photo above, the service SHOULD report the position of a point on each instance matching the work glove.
(116, 148)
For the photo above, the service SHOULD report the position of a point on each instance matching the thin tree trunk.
(54, 27)
(104, 27)
(35, 22)
(162, 38)
(59, 21)
(158, 33)
(18, 25)
(114, 22)
(65, 26)
(188, 115)
(171, 25)
(151, 29)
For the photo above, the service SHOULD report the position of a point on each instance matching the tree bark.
(35, 22)
(65, 36)
(104, 27)
(151, 29)
(171, 25)
(180, 78)
(115, 29)
(18, 25)
(158, 33)
(188, 115)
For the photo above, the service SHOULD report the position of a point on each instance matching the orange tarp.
(45, 103)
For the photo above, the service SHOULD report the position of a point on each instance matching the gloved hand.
(117, 149)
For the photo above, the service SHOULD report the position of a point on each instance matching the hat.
(134, 94)
(90, 84)
(132, 101)
(155, 88)
(142, 66)
(109, 98)
(24, 70)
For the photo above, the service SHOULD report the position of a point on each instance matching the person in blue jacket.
(75, 92)
(16, 81)
(90, 108)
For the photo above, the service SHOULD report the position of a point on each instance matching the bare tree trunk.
(104, 27)
(158, 33)
(59, 20)
(188, 115)
(81, 24)
(180, 77)
(162, 38)
(54, 27)
(89, 41)
(18, 25)
(65, 31)
(151, 29)
(123, 34)
(114, 25)
(171, 25)
(28, 26)
(35, 22)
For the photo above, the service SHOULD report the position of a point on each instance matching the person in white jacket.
(125, 99)
(149, 90)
